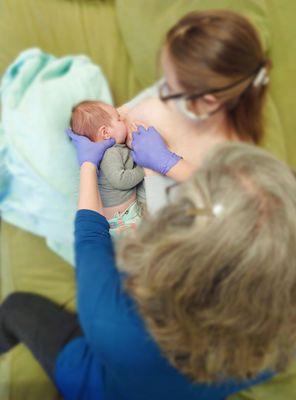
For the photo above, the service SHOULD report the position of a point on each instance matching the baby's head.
(98, 121)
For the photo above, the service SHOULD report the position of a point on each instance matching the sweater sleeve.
(115, 172)
(98, 280)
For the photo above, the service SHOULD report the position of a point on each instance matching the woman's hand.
(150, 151)
(88, 151)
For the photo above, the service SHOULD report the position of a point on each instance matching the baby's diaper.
(123, 222)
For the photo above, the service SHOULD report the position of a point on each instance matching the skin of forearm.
(89, 197)
(182, 171)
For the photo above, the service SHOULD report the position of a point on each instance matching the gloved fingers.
(76, 138)
(151, 129)
(139, 133)
(148, 129)
(134, 156)
(139, 123)
(139, 129)
(135, 132)
(135, 138)
(107, 143)
(142, 129)
(154, 131)
(131, 127)
(69, 133)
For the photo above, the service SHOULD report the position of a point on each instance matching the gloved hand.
(150, 151)
(87, 150)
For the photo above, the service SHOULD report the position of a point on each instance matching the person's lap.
(46, 274)
(39, 323)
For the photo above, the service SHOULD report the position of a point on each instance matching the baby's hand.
(123, 111)
(133, 127)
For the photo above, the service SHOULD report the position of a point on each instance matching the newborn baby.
(119, 176)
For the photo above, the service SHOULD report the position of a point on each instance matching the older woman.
(206, 304)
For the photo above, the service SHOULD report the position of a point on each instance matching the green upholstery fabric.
(282, 387)
(123, 36)
(69, 27)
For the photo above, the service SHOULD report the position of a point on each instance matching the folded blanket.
(38, 168)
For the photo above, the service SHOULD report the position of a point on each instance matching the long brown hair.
(214, 49)
(218, 292)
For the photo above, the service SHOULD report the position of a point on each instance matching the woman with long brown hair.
(215, 75)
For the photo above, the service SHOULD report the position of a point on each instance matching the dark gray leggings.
(39, 323)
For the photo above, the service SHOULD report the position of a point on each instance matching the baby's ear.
(104, 133)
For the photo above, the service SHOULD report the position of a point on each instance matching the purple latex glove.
(150, 151)
(87, 150)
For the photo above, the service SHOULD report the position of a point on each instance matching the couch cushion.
(64, 27)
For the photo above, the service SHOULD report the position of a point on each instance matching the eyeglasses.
(181, 100)
(165, 95)
(172, 193)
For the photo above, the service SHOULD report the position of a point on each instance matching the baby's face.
(117, 128)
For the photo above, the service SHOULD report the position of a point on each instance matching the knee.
(14, 300)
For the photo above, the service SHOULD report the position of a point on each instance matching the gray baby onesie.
(119, 176)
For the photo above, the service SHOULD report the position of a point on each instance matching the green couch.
(123, 37)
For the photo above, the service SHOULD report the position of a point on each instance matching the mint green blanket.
(38, 167)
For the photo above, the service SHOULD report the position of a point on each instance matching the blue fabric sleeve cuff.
(84, 216)
(90, 224)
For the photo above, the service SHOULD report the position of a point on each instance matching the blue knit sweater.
(117, 359)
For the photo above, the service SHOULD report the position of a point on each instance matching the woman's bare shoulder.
(151, 111)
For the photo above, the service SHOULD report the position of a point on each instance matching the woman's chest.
(180, 134)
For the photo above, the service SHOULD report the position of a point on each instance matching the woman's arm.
(89, 196)
(98, 281)
(89, 155)
(181, 171)
(150, 151)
